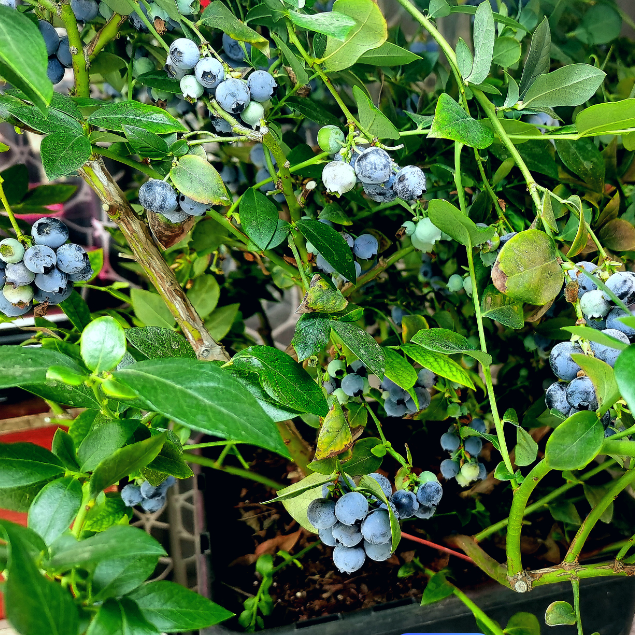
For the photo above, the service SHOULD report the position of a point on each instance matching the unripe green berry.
(336, 368)
(470, 471)
(160, 95)
(253, 114)
(191, 88)
(341, 396)
(409, 228)
(331, 139)
(20, 296)
(455, 283)
(11, 250)
(467, 285)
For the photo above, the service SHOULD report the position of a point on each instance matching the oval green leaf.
(103, 344)
(575, 442)
(196, 178)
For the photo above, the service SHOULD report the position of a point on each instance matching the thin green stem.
(490, 191)
(624, 433)
(618, 448)
(142, 167)
(211, 444)
(478, 613)
(82, 86)
(80, 519)
(7, 208)
(149, 25)
(296, 255)
(386, 443)
(227, 224)
(624, 550)
(575, 585)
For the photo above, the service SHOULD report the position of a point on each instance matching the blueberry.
(173, 70)
(384, 483)
(359, 369)
(64, 53)
(473, 445)
(378, 553)
(429, 494)
(72, 258)
(482, 472)
(11, 250)
(191, 88)
(561, 362)
(153, 505)
(157, 196)
(338, 178)
(9, 3)
(347, 535)
(381, 192)
(131, 495)
(50, 232)
(326, 536)
(365, 246)
(262, 86)
(3, 277)
(397, 314)
(606, 353)
(176, 216)
(405, 502)
(351, 508)
(12, 310)
(191, 207)
(51, 38)
(51, 297)
(233, 95)
(450, 441)
(331, 139)
(622, 284)
(54, 70)
(321, 513)
(478, 425)
(594, 304)
(469, 472)
(257, 155)
(423, 399)
(449, 468)
(376, 527)
(597, 324)
(425, 512)
(348, 559)
(426, 378)
(584, 283)
(373, 166)
(410, 183)
(409, 227)
(609, 432)
(253, 114)
(54, 281)
(85, 10)
(612, 321)
(209, 72)
(18, 275)
(556, 397)
(184, 53)
(20, 297)
(353, 385)
(322, 265)
(329, 386)
(394, 408)
(233, 48)
(137, 22)
(82, 276)
(581, 394)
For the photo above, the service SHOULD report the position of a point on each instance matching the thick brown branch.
(149, 257)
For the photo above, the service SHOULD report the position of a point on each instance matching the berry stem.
(395, 455)
(148, 24)
(490, 191)
(82, 87)
(434, 545)
(80, 519)
(14, 223)
(107, 33)
(142, 167)
(624, 550)
(296, 255)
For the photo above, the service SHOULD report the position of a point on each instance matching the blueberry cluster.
(398, 402)
(381, 179)
(160, 197)
(358, 525)
(58, 51)
(574, 391)
(463, 464)
(43, 272)
(346, 382)
(151, 498)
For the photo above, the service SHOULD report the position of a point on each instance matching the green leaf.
(203, 397)
(388, 54)
(308, 489)
(151, 309)
(283, 379)
(399, 370)
(49, 194)
(64, 153)
(218, 16)
(507, 51)
(103, 344)
(453, 222)
(106, 63)
(449, 343)
(618, 235)
(560, 614)
(330, 244)
(313, 111)
(132, 113)
(603, 378)
(575, 442)
(146, 144)
(160, 81)
(362, 345)
(102, 441)
(204, 294)
(357, 415)
(372, 119)
(322, 297)
(170, 7)
(602, 118)
(81, 426)
(155, 342)
(497, 306)
(118, 576)
(34, 604)
(370, 32)
(258, 217)
(464, 58)
(123, 462)
(452, 122)
(593, 335)
(55, 507)
(64, 448)
(526, 448)
(308, 483)
(335, 434)
(595, 494)
(76, 310)
(439, 364)
(121, 617)
(334, 24)
(335, 214)
(170, 461)
(110, 510)
(296, 64)
(527, 268)
(53, 121)
(439, 9)
(174, 609)
(484, 35)
(23, 58)
(567, 86)
(220, 321)
(565, 512)
(363, 461)
(600, 25)
(312, 332)
(196, 178)
(539, 60)
(438, 588)
(584, 159)
(625, 375)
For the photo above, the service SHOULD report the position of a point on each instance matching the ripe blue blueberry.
(326, 536)
(561, 362)
(373, 166)
(153, 505)
(64, 53)
(609, 432)
(365, 246)
(331, 139)
(473, 445)
(233, 48)
(51, 38)
(606, 353)
(556, 397)
(184, 53)
(429, 494)
(157, 196)
(612, 321)
(384, 483)
(425, 512)
(3, 277)
(449, 468)
(9, 3)
(209, 72)
(338, 178)
(54, 281)
(13, 310)
(584, 284)
(482, 472)
(50, 232)
(351, 508)
(321, 513)
(192, 207)
(191, 88)
(423, 399)
(11, 250)
(262, 86)
(478, 425)
(397, 314)
(72, 258)
(347, 535)
(358, 368)
(137, 22)
(233, 95)
(82, 276)
(322, 265)
(581, 394)
(594, 304)
(150, 491)
(381, 192)
(172, 70)
(405, 503)
(348, 559)
(257, 155)
(410, 183)
(54, 70)
(329, 386)
(85, 10)
(622, 284)
(51, 297)
(18, 275)
(450, 441)
(378, 553)
(376, 527)
(353, 385)
(426, 378)
(131, 495)
(395, 408)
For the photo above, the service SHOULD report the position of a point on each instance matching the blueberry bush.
(459, 221)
